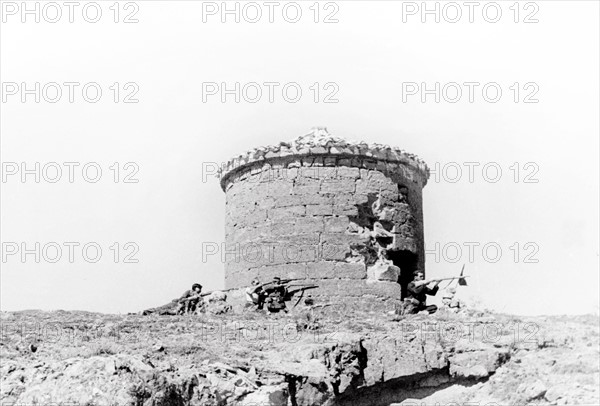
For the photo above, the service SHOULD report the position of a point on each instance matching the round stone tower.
(346, 216)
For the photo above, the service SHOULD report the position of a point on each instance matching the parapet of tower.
(344, 215)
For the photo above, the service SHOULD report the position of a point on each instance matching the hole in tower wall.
(402, 193)
(365, 217)
(407, 261)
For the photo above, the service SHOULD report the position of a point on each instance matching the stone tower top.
(319, 142)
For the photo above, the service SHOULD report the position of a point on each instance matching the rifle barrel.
(449, 278)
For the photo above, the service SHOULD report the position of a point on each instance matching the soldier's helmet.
(255, 282)
(277, 279)
(196, 285)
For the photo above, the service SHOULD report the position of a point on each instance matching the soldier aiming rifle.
(255, 294)
(274, 294)
(420, 288)
(188, 302)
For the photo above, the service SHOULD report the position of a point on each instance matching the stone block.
(318, 161)
(335, 224)
(321, 270)
(286, 201)
(307, 189)
(313, 199)
(308, 225)
(365, 186)
(291, 173)
(347, 270)
(266, 203)
(258, 216)
(319, 210)
(308, 174)
(349, 287)
(272, 395)
(294, 253)
(383, 272)
(337, 187)
(330, 161)
(477, 364)
(307, 160)
(302, 239)
(382, 288)
(294, 162)
(334, 252)
(281, 228)
(370, 164)
(348, 173)
(242, 235)
(254, 255)
(284, 213)
(280, 188)
(233, 267)
(327, 173)
(290, 271)
(341, 238)
(318, 150)
(345, 210)
(343, 198)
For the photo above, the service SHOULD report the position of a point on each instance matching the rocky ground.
(301, 359)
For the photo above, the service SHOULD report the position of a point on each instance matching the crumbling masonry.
(344, 215)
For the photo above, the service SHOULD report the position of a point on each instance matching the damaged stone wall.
(342, 218)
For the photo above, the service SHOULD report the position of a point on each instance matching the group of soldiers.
(272, 296)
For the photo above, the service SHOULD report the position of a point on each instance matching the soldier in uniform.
(275, 296)
(188, 302)
(417, 292)
(255, 294)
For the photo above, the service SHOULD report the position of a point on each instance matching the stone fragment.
(477, 364)
(534, 390)
(267, 395)
(318, 150)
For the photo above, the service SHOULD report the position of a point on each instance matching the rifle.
(461, 280)
(271, 283)
(255, 287)
(218, 290)
(302, 289)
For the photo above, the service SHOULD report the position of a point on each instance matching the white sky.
(369, 53)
